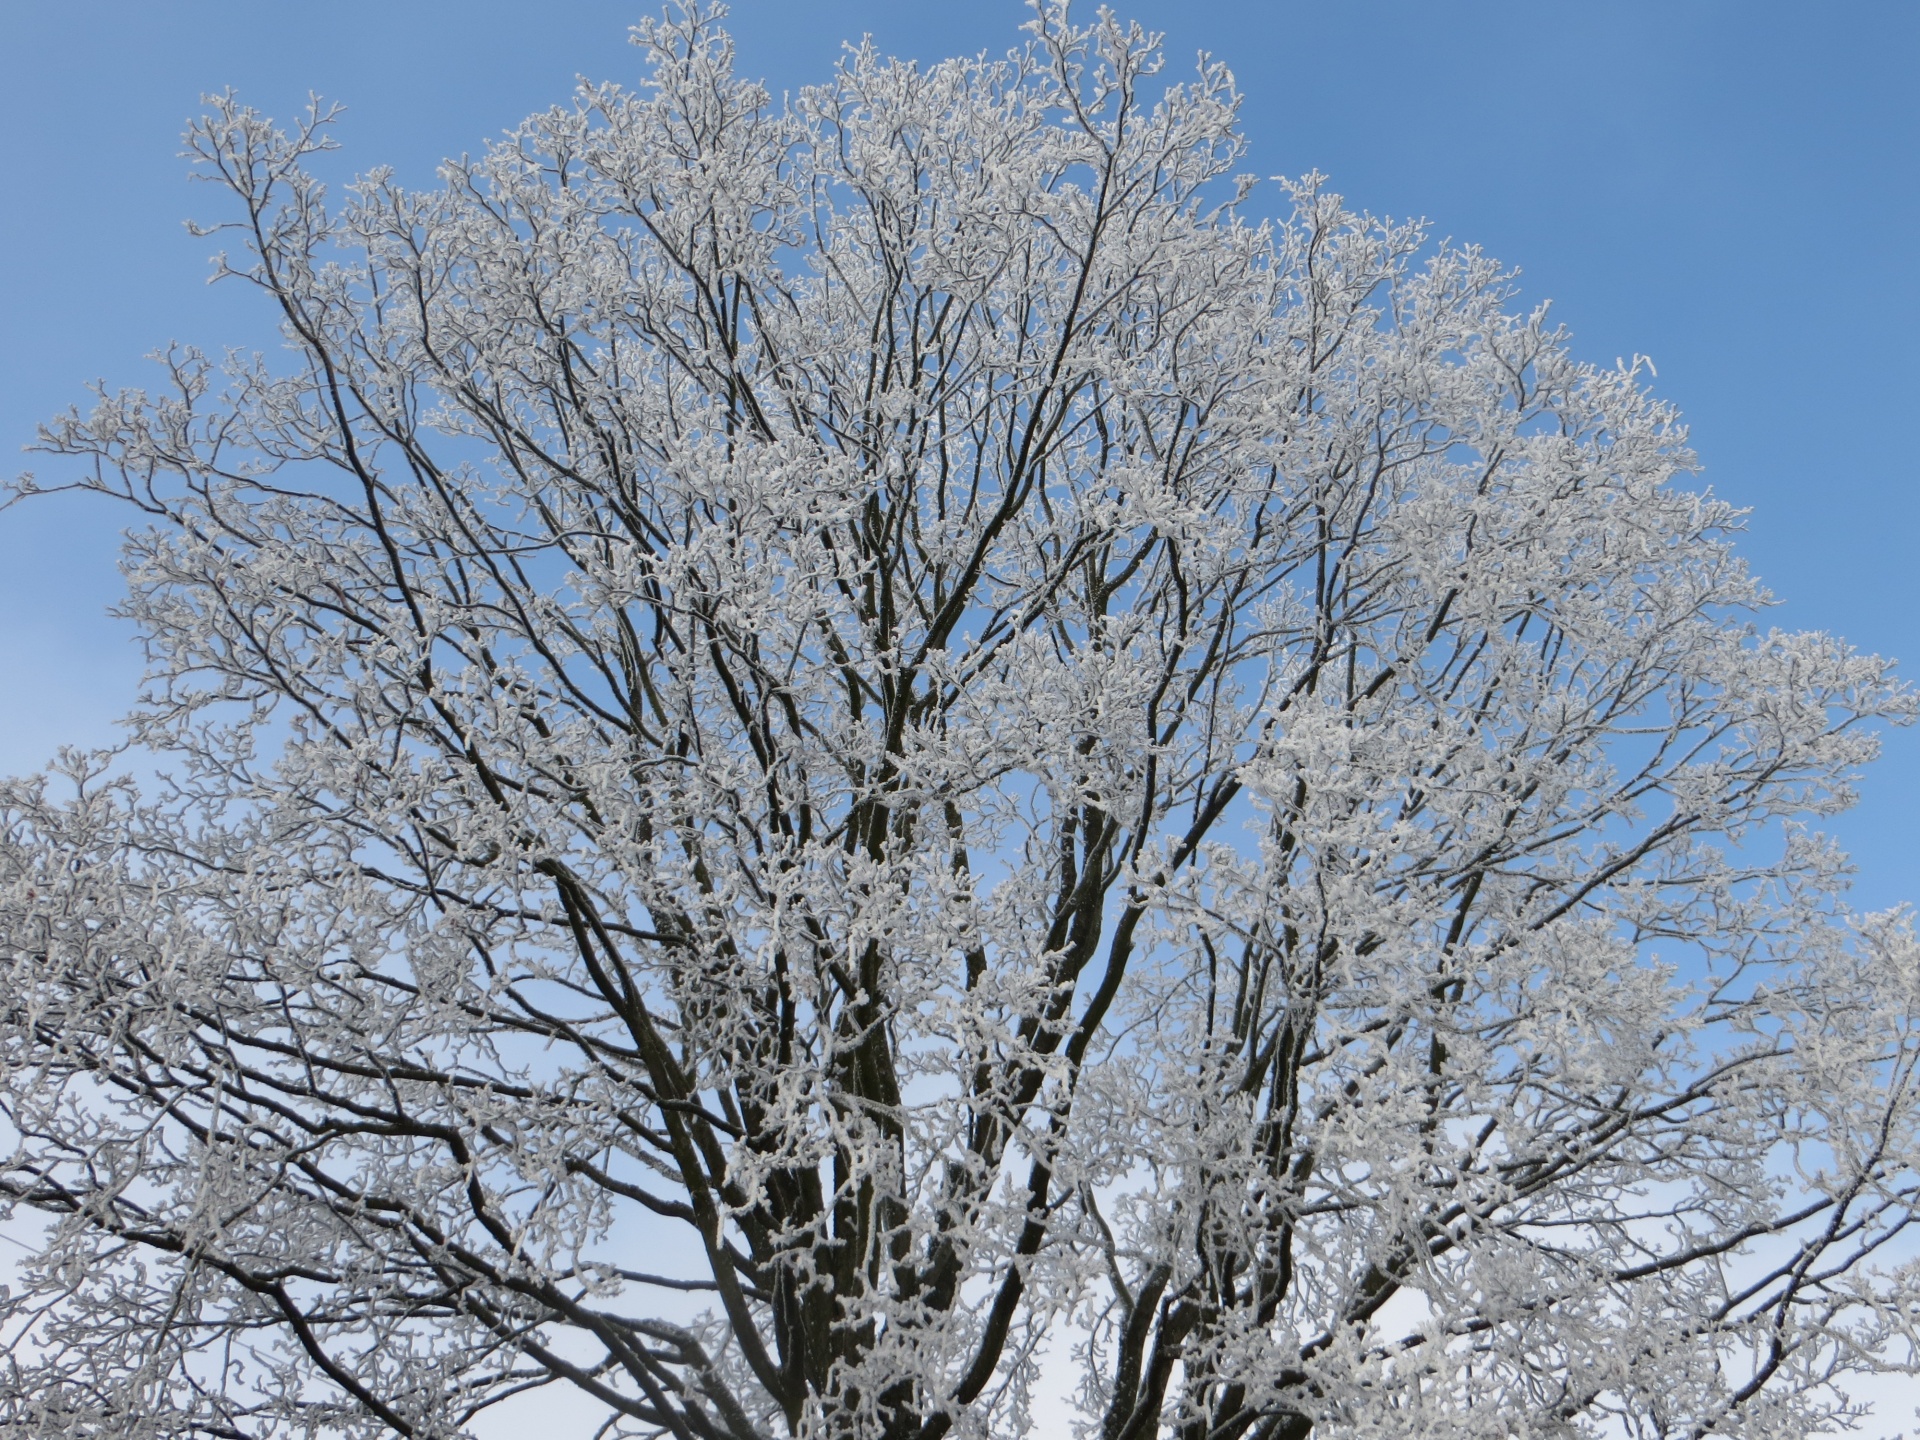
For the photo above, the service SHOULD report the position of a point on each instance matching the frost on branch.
(827, 767)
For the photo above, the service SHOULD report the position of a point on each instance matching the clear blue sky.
(1729, 186)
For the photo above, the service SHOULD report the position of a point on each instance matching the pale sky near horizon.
(1729, 186)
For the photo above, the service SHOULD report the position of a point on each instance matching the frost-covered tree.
(819, 766)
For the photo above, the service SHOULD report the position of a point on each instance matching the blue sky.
(1729, 186)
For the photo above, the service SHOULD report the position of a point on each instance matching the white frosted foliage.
(813, 768)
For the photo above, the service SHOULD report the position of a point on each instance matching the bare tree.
(819, 762)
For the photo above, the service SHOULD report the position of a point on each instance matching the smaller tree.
(823, 764)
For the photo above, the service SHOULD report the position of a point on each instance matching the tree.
(819, 764)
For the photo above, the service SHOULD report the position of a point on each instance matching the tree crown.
(826, 760)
